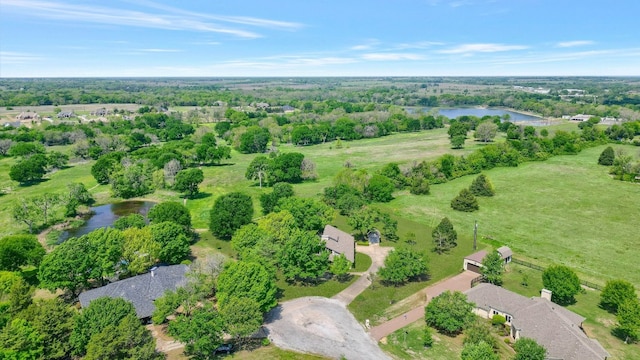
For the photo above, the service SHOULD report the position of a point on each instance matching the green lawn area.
(362, 262)
(407, 343)
(598, 324)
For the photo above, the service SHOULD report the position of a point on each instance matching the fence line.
(540, 268)
(477, 280)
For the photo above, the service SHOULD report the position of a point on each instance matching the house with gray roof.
(141, 290)
(339, 242)
(555, 328)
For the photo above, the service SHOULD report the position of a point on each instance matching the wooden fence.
(540, 268)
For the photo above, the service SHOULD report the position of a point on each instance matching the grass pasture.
(565, 210)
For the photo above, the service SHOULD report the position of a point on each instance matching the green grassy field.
(565, 210)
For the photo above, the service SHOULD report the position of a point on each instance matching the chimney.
(153, 271)
(546, 294)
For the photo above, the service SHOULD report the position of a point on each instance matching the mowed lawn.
(566, 210)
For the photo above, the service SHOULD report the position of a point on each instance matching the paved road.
(321, 326)
(377, 255)
(460, 282)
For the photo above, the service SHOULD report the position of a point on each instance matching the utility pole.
(475, 236)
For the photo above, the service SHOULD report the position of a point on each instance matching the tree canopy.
(247, 280)
(20, 250)
(449, 312)
(402, 265)
(563, 282)
(492, 268)
(229, 213)
(615, 293)
(529, 349)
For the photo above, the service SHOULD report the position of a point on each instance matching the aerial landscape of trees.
(254, 173)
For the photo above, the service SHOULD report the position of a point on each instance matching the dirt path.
(460, 282)
(377, 255)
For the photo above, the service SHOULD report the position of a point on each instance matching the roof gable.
(340, 242)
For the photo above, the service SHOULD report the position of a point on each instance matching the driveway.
(460, 282)
(377, 255)
(320, 326)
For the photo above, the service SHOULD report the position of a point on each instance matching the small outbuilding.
(473, 262)
(339, 242)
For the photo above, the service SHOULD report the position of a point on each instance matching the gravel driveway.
(321, 326)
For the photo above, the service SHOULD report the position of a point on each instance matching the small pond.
(453, 113)
(106, 215)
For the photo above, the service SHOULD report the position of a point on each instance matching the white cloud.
(244, 20)
(12, 57)
(160, 50)
(567, 44)
(172, 20)
(417, 45)
(481, 48)
(391, 56)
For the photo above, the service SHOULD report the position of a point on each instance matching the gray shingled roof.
(477, 257)
(141, 290)
(504, 252)
(340, 242)
(552, 326)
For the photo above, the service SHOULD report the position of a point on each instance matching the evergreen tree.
(607, 157)
(481, 186)
(444, 236)
(465, 201)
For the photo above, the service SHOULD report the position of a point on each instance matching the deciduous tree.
(20, 250)
(101, 314)
(69, 266)
(529, 349)
(616, 292)
(310, 214)
(486, 131)
(139, 251)
(340, 266)
(304, 257)
(629, 320)
(380, 188)
(403, 265)
(170, 211)
(174, 244)
(492, 268)
(187, 181)
(247, 280)
(478, 351)
(201, 332)
(563, 282)
(229, 213)
(449, 312)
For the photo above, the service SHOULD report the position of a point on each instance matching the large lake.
(106, 215)
(453, 113)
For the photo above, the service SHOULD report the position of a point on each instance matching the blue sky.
(72, 38)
